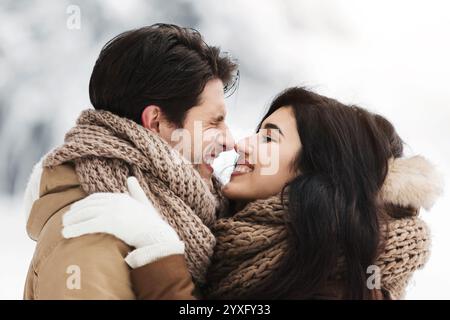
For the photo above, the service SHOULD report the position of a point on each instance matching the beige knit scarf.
(106, 149)
(252, 244)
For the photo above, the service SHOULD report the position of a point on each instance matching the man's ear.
(151, 118)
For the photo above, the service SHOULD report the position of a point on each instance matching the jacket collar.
(49, 190)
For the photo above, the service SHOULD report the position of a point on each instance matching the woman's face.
(266, 159)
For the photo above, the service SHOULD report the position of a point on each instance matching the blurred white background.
(391, 57)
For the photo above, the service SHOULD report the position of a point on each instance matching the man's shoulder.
(98, 258)
(59, 189)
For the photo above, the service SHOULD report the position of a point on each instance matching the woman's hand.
(129, 217)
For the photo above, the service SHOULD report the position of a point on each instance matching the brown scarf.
(252, 244)
(106, 149)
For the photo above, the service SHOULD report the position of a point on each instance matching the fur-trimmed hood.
(412, 182)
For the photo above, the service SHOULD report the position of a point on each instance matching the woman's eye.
(267, 139)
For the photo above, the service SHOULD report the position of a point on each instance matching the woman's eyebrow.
(273, 126)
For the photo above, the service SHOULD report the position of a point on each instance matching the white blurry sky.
(388, 56)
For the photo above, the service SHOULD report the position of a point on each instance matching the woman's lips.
(241, 169)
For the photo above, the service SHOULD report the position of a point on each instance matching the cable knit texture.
(106, 149)
(252, 244)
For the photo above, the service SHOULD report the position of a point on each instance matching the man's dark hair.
(164, 65)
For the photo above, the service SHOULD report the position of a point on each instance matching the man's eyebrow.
(273, 126)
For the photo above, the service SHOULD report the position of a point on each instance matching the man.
(163, 78)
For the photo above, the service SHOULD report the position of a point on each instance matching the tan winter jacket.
(91, 266)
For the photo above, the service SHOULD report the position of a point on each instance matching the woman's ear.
(151, 118)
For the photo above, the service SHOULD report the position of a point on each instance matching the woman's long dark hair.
(333, 202)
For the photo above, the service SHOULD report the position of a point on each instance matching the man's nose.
(226, 140)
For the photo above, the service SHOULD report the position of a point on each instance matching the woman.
(313, 208)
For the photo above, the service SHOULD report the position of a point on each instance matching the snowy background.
(388, 56)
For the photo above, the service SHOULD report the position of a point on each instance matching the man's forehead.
(213, 108)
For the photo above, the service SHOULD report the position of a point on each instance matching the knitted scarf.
(251, 245)
(106, 149)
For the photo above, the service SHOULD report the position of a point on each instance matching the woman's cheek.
(269, 159)
(287, 166)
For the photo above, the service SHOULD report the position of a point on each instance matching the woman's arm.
(159, 269)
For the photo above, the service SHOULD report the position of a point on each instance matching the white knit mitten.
(131, 218)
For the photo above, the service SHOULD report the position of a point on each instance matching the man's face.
(204, 134)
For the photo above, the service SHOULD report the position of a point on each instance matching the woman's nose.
(243, 147)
